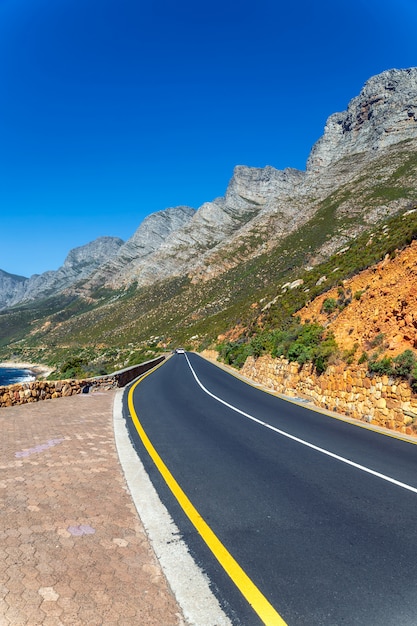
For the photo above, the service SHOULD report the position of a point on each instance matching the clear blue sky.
(113, 109)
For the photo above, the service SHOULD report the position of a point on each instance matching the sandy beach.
(39, 370)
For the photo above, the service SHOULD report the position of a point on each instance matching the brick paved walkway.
(72, 549)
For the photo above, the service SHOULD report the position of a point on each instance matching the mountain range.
(184, 267)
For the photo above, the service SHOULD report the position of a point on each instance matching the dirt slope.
(378, 307)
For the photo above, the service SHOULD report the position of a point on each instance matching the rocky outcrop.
(12, 288)
(79, 264)
(184, 249)
(272, 203)
(263, 205)
(129, 264)
(261, 186)
(383, 114)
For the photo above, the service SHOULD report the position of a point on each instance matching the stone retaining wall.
(22, 393)
(351, 391)
(380, 400)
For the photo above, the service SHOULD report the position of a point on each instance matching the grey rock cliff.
(383, 114)
(262, 205)
(12, 288)
(78, 265)
(214, 224)
(124, 267)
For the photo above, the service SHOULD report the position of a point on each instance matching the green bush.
(282, 340)
(329, 305)
(257, 346)
(363, 358)
(413, 379)
(384, 366)
(235, 353)
(378, 340)
(304, 348)
(405, 363)
(325, 349)
(300, 343)
(73, 367)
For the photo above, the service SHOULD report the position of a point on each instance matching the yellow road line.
(249, 590)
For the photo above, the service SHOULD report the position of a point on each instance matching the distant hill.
(79, 263)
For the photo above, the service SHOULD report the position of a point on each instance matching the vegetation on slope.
(111, 328)
(277, 332)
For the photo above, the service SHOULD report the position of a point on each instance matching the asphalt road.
(319, 514)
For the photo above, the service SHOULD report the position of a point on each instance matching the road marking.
(313, 407)
(187, 580)
(265, 610)
(301, 441)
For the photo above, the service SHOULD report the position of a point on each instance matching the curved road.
(296, 517)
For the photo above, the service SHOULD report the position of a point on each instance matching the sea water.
(10, 375)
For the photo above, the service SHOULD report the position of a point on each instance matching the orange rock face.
(380, 309)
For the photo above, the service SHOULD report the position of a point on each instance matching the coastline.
(39, 370)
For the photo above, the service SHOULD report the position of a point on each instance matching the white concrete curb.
(188, 583)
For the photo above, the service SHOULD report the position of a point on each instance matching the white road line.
(301, 441)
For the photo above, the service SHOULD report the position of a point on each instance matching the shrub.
(413, 379)
(301, 343)
(312, 344)
(282, 340)
(235, 353)
(73, 367)
(300, 352)
(405, 363)
(363, 358)
(378, 340)
(303, 348)
(325, 349)
(329, 305)
(257, 346)
(384, 366)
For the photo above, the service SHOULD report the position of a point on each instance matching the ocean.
(9, 375)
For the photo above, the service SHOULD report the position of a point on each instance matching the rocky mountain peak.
(92, 254)
(384, 113)
(156, 227)
(78, 265)
(122, 268)
(262, 206)
(256, 185)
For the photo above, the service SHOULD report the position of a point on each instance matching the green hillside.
(368, 217)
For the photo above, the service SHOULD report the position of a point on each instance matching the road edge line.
(302, 442)
(188, 583)
(255, 598)
(309, 404)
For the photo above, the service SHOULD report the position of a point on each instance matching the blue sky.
(113, 109)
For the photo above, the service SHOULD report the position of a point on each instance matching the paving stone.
(73, 551)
